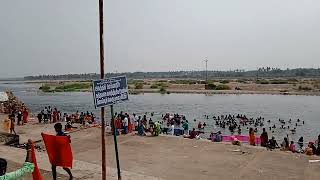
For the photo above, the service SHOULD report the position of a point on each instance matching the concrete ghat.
(81, 169)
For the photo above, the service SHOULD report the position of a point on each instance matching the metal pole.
(103, 142)
(115, 142)
(206, 70)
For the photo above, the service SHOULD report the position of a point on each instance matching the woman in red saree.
(252, 137)
(25, 115)
(54, 117)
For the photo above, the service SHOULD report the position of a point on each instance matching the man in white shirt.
(125, 124)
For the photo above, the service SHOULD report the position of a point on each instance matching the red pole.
(103, 142)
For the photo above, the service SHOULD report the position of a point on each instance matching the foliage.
(278, 81)
(261, 73)
(134, 81)
(161, 84)
(154, 86)
(317, 85)
(73, 87)
(67, 87)
(241, 81)
(162, 90)
(45, 88)
(163, 81)
(210, 86)
(187, 81)
(139, 86)
(304, 88)
(293, 80)
(224, 82)
(222, 87)
(262, 81)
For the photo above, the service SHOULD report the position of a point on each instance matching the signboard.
(109, 91)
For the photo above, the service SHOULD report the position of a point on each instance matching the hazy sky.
(61, 36)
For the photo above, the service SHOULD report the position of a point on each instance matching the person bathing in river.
(216, 137)
(192, 135)
(252, 137)
(264, 137)
(185, 126)
(199, 125)
(285, 144)
(272, 144)
(292, 147)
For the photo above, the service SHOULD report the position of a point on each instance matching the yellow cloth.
(252, 138)
(6, 125)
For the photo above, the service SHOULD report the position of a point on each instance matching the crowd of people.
(234, 123)
(17, 116)
(49, 115)
(313, 148)
(125, 123)
(148, 125)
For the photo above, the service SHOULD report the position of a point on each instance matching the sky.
(62, 36)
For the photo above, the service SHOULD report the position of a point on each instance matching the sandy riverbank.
(181, 91)
(230, 86)
(170, 158)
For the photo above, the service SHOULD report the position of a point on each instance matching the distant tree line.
(264, 72)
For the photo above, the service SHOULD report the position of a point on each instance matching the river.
(193, 106)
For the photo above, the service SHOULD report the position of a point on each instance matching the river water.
(193, 106)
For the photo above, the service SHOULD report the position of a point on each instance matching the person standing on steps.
(58, 129)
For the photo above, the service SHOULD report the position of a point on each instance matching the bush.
(139, 86)
(133, 81)
(74, 86)
(304, 88)
(163, 81)
(210, 86)
(183, 81)
(262, 81)
(161, 84)
(45, 88)
(162, 90)
(293, 80)
(224, 82)
(58, 90)
(223, 87)
(279, 81)
(154, 86)
(317, 85)
(241, 81)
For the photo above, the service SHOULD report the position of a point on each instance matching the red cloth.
(54, 118)
(58, 149)
(36, 173)
(25, 115)
(118, 123)
(130, 127)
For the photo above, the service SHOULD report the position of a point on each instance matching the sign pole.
(115, 142)
(107, 92)
(103, 142)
